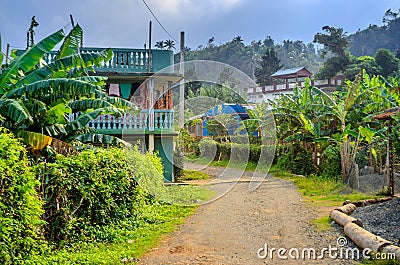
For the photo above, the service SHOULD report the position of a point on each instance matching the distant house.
(292, 73)
(238, 112)
(292, 77)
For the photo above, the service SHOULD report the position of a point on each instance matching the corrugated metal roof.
(290, 71)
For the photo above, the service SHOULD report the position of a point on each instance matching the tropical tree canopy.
(269, 65)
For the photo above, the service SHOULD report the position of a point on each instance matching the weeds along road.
(233, 228)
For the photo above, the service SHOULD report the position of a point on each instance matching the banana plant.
(344, 118)
(36, 97)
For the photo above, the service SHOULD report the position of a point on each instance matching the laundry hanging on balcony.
(114, 90)
(125, 90)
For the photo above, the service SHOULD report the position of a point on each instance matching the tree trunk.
(343, 219)
(344, 158)
(316, 155)
(363, 238)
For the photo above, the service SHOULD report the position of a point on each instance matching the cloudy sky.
(124, 23)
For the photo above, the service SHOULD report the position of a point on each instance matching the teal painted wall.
(164, 146)
(162, 59)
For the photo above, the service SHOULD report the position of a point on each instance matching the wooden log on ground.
(347, 209)
(365, 239)
(392, 249)
(343, 219)
(367, 202)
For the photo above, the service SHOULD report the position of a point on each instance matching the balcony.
(129, 61)
(144, 122)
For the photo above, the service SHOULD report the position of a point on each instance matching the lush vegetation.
(193, 175)
(340, 125)
(81, 206)
(341, 60)
(20, 205)
(128, 245)
(62, 201)
(79, 198)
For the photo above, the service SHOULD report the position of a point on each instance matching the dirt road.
(233, 229)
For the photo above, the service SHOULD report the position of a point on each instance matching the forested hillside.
(371, 39)
(248, 57)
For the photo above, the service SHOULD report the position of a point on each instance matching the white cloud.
(171, 7)
(225, 5)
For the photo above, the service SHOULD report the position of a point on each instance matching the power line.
(7, 57)
(160, 22)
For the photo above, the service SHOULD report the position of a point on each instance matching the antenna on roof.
(29, 35)
(72, 20)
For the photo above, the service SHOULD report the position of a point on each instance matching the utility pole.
(181, 120)
(7, 53)
(149, 59)
(72, 20)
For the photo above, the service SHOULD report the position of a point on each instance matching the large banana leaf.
(88, 103)
(1, 56)
(83, 119)
(56, 113)
(28, 60)
(106, 102)
(37, 142)
(55, 86)
(62, 67)
(97, 58)
(35, 107)
(16, 111)
(99, 138)
(55, 129)
(121, 103)
(71, 42)
(95, 80)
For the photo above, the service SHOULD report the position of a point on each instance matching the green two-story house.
(132, 75)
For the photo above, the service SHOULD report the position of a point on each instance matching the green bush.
(240, 153)
(330, 163)
(297, 160)
(208, 148)
(224, 150)
(234, 151)
(93, 189)
(20, 207)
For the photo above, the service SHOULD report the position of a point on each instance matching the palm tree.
(169, 44)
(210, 42)
(160, 44)
(238, 40)
(297, 56)
(36, 98)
